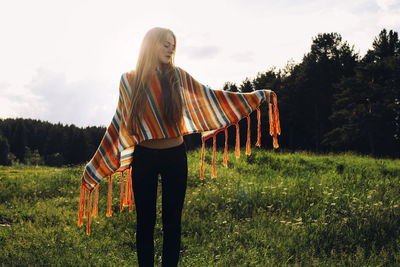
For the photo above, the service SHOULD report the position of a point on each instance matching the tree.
(4, 150)
(366, 109)
(229, 86)
(19, 140)
(270, 79)
(246, 86)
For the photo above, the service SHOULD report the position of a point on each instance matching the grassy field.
(267, 209)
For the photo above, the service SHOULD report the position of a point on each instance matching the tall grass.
(264, 209)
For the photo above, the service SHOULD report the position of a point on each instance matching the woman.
(166, 156)
(158, 104)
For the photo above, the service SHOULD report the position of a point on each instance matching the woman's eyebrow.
(169, 43)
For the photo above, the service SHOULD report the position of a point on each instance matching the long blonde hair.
(172, 107)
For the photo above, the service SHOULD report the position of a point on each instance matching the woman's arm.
(107, 159)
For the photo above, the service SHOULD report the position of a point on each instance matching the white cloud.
(49, 96)
(388, 4)
(389, 15)
(200, 52)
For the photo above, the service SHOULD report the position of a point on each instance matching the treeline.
(335, 100)
(42, 143)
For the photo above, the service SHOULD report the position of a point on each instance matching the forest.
(334, 100)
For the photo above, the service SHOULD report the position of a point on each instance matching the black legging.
(171, 164)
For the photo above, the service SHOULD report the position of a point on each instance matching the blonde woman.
(158, 104)
(166, 156)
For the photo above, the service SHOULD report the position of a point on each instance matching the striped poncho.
(206, 111)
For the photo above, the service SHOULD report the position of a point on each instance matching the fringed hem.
(248, 143)
(126, 199)
(109, 212)
(274, 130)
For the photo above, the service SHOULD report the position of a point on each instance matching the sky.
(61, 60)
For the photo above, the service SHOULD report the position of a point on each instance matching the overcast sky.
(61, 61)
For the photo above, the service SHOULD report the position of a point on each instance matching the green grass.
(267, 209)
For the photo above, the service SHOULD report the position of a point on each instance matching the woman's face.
(166, 50)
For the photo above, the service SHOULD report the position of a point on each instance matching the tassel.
(272, 127)
(248, 144)
(202, 159)
(214, 173)
(276, 114)
(96, 200)
(122, 192)
(271, 120)
(109, 197)
(258, 127)
(126, 190)
(275, 141)
(226, 149)
(81, 205)
(274, 120)
(84, 203)
(237, 149)
(130, 196)
(88, 213)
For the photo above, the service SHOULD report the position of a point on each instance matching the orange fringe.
(226, 149)
(126, 190)
(276, 114)
(96, 200)
(248, 144)
(214, 172)
(81, 205)
(258, 127)
(109, 197)
(202, 159)
(237, 148)
(122, 192)
(274, 124)
(271, 120)
(88, 213)
(130, 195)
